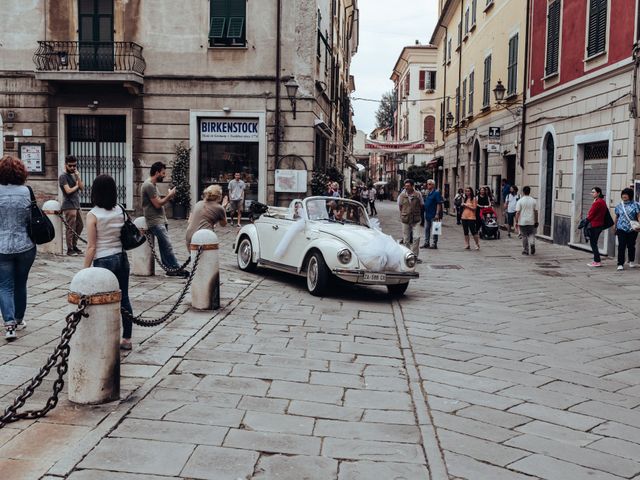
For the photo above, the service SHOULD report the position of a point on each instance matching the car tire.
(245, 255)
(398, 289)
(317, 275)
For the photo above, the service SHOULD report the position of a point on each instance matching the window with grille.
(512, 69)
(464, 97)
(596, 150)
(553, 38)
(430, 129)
(227, 23)
(597, 37)
(472, 78)
(486, 84)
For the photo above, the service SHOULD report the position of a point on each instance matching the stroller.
(489, 227)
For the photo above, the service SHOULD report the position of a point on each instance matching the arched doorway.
(476, 163)
(546, 185)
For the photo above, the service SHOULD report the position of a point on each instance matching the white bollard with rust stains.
(205, 288)
(94, 361)
(143, 262)
(51, 208)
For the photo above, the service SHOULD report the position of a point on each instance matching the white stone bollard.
(51, 208)
(205, 288)
(143, 262)
(94, 361)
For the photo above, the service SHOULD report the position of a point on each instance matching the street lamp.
(449, 120)
(498, 92)
(292, 88)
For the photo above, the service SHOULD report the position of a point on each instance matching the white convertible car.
(323, 237)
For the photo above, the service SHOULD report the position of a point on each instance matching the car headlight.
(410, 260)
(344, 256)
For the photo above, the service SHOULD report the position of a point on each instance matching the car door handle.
(275, 227)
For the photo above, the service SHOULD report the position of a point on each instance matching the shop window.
(227, 23)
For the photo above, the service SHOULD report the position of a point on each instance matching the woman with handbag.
(104, 245)
(596, 221)
(17, 249)
(627, 227)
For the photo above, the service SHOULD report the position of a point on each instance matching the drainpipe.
(278, 79)
(525, 86)
(459, 112)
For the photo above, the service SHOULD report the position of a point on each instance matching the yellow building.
(481, 45)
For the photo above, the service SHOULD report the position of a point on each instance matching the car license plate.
(375, 277)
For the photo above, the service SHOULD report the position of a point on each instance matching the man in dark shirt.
(71, 185)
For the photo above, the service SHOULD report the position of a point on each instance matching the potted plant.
(180, 180)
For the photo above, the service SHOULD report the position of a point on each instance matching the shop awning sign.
(229, 130)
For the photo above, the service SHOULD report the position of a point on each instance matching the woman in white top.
(510, 207)
(104, 248)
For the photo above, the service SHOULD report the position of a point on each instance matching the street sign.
(493, 147)
(494, 133)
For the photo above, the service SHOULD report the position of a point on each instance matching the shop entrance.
(228, 146)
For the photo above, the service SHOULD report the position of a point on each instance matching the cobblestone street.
(493, 366)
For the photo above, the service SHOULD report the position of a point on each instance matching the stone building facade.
(119, 83)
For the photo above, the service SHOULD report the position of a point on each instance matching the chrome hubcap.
(244, 253)
(312, 273)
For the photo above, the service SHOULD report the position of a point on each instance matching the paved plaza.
(493, 366)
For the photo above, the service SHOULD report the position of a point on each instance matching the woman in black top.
(484, 200)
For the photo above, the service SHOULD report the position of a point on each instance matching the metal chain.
(70, 228)
(152, 323)
(159, 260)
(60, 356)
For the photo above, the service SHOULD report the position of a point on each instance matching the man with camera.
(71, 185)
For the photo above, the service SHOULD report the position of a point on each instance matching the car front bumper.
(358, 276)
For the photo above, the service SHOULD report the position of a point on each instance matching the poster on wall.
(291, 181)
(32, 155)
(229, 130)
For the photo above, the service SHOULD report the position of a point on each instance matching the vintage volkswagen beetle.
(322, 237)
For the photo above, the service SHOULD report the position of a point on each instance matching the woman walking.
(17, 250)
(626, 212)
(468, 218)
(207, 212)
(104, 248)
(372, 200)
(596, 216)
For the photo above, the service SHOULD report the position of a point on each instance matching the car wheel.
(317, 275)
(398, 289)
(245, 256)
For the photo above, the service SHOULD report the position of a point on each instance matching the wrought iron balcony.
(104, 61)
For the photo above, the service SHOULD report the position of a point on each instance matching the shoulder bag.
(608, 219)
(130, 236)
(635, 225)
(40, 228)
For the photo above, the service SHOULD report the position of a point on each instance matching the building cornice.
(584, 81)
(446, 11)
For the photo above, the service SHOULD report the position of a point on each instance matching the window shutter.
(474, 7)
(430, 129)
(432, 80)
(466, 21)
(464, 97)
(441, 116)
(553, 38)
(472, 76)
(421, 80)
(407, 85)
(597, 37)
(512, 72)
(486, 86)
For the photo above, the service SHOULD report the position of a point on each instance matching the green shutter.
(512, 72)
(216, 29)
(228, 19)
(553, 38)
(597, 38)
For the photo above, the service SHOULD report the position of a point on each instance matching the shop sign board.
(228, 130)
(291, 181)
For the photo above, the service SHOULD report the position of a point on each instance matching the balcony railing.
(60, 56)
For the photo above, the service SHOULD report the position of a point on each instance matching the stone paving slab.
(496, 371)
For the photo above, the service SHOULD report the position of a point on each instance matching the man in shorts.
(236, 196)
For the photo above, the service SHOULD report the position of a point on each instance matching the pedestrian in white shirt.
(527, 221)
(236, 196)
(510, 202)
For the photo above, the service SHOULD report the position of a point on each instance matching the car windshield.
(337, 210)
